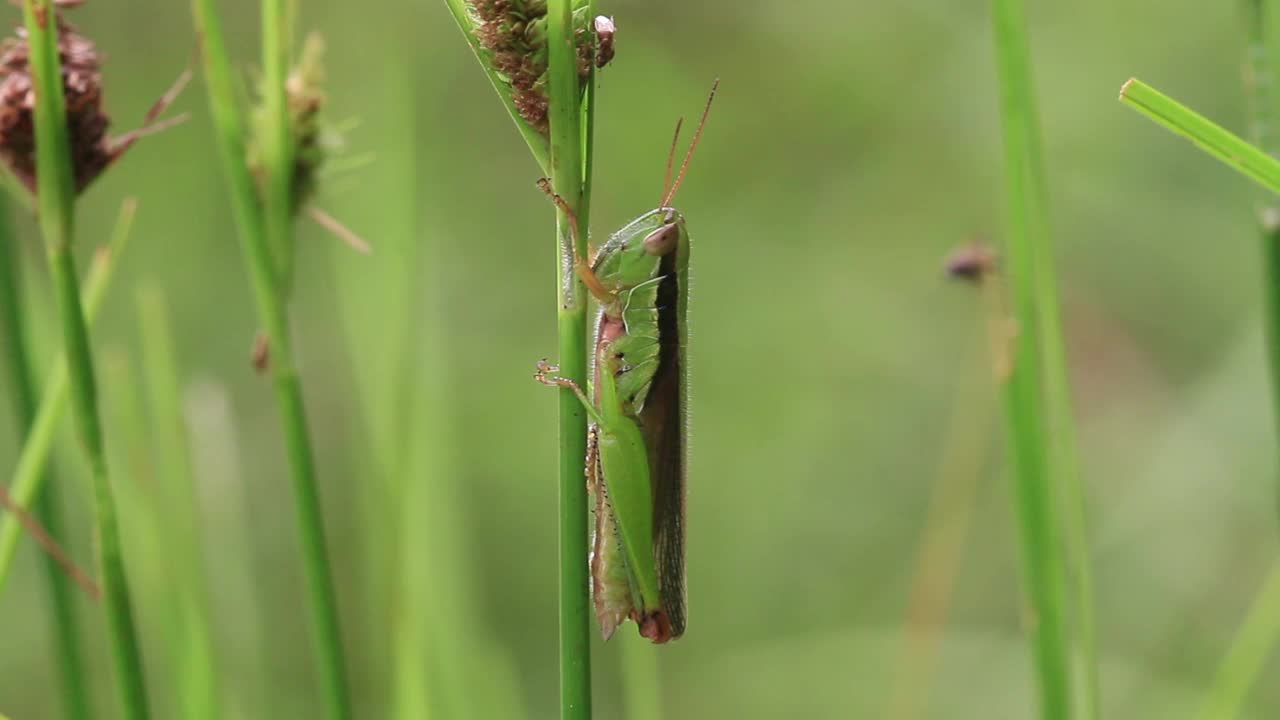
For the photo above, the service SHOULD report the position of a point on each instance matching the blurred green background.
(838, 379)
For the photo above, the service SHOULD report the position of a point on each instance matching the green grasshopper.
(636, 455)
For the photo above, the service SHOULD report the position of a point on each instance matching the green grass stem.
(567, 177)
(56, 198)
(64, 623)
(259, 234)
(1247, 658)
(198, 686)
(29, 475)
(1256, 639)
(1028, 403)
(641, 680)
(1064, 458)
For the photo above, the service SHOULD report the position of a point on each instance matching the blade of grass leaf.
(641, 684)
(1064, 459)
(29, 473)
(1256, 639)
(197, 672)
(1248, 655)
(64, 623)
(1025, 398)
(1213, 139)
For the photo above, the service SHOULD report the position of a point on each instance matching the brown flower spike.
(92, 151)
(515, 32)
(312, 138)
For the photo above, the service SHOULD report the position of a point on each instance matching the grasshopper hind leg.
(592, 468)
(611, 586)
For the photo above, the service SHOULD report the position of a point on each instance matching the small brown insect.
(972, 262)
(92, 150)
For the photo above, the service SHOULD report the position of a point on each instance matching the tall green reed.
(56, 195)
(962, 459)
(29, 476)
(1257, 637)
(561, 143)
(178, 506)
(266, 229)
(1048, 491)
(64, 622)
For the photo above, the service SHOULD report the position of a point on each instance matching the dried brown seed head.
(92, 151)
(304, 88)
(514, 32)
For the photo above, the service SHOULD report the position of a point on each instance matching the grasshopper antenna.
(684, 166)
(671, 161)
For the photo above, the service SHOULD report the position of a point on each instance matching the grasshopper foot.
(546, 375)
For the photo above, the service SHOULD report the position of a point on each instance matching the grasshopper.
(636, 457)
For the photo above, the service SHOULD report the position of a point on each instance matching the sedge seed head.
(515, 34)
(92, 151)
(304, 89)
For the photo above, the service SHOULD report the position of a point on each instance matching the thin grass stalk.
(408, 467)
(56, 200)
(964, 455)
(1064, 458)
(197, 672)
(567, 176)
(641, 681)
(1251, 649)
(277, 140)
(1257, 637)
(256, 235)
(64, 623)
(29, 474)
(1260, 79)
(1025, 397)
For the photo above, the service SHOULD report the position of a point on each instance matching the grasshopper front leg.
(580, 265)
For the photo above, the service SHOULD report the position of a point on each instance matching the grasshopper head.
(634, 253)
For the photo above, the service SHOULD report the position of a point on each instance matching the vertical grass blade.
(29, 474)
(641, 683)
(962, 461)
(1027, 404)
(1064, 462)
(64, 624)
(197, 675)
(256, 235)
(56, 200)
(1250, 651)
(1256, 639)
(567, 177)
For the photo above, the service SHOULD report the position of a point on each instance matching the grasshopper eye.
(663, 240)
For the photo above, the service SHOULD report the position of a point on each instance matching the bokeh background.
(839, 381)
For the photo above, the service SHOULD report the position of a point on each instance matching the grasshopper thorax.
(634, 254)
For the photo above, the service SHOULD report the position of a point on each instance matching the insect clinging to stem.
(637, 449)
